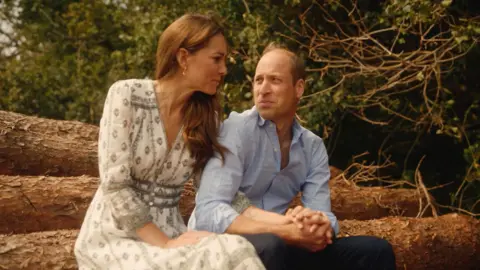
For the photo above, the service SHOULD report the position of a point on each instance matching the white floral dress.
(141, 182)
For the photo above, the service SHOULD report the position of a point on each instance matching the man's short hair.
(297, 64)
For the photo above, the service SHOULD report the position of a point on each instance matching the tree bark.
(36, 146)
(364, 203)
(43, 250)
(73, 130)
(448, 242)
(39, 203)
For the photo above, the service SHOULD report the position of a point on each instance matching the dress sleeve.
(129, 212)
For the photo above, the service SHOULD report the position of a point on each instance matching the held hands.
(187, 238)
(312, 228)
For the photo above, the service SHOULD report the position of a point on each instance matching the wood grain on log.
(39, 203)
(447, 242)
(43, 250)
(38, 146)
(73, 130)
(450, 241)
(363, 203)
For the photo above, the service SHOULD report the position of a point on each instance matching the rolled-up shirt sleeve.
(129, 212)
(218, 201)
(315, 191)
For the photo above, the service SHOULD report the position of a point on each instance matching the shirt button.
(150, 203)
(275, 149)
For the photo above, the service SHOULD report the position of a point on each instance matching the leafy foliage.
(396, 78)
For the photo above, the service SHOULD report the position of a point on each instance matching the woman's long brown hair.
(202, 112)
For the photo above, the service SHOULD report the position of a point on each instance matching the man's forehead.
(274, 62)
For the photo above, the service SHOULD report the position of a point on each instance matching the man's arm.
(315, 191)
(220, 183)
(258, 214)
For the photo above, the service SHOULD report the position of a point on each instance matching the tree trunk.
(364, 203)
(36, 146)
(447, 242)
(43, 250)
(53, 203)
(39, 203)
(73, 130)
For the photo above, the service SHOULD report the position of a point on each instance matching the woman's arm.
(129, 212)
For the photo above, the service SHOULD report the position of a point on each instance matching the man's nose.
(264, 88)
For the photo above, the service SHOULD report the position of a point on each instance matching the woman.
(154, 136)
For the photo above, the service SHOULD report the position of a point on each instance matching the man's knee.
(267, 243)
(379, 245)
(270, 248)
(276, 244)
(379, 252)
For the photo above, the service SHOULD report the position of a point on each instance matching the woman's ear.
(182, 55)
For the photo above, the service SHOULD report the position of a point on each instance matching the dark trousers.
(349, 253)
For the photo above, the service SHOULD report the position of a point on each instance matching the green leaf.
(446, 3)
(420, 76)
(461, 39)
(337, 96)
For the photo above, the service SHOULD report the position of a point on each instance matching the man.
(271, 159)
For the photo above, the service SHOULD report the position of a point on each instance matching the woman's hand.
(187, 238)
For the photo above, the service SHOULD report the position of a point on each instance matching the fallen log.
(448, 242)
(43, 250)
(364, 203)
(40, 203)
(73, 130)
(37, 146)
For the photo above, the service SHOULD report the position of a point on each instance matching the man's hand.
(313, 222)
(304, 239)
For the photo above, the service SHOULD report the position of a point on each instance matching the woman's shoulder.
(138, 86)
(140, 91)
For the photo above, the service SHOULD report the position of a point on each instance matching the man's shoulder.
(243, 122)
(310, 140)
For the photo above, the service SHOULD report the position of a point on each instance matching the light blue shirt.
(254, 168)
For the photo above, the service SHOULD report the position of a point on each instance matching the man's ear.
(182, 58)
(299, 88)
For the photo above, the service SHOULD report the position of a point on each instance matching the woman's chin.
(208, 91)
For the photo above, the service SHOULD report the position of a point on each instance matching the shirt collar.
(297, 128)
